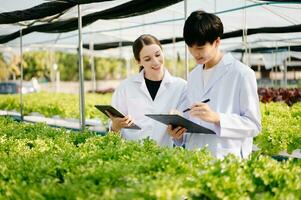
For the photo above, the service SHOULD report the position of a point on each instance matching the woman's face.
(152, 59)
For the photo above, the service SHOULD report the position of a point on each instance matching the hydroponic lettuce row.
(281, 124)
(38, 162)
(281, 128)
(51, 104)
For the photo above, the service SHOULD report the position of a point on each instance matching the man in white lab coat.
(233, 111)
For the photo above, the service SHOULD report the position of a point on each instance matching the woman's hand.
(177, 133)
(203, 111)
(119, 123)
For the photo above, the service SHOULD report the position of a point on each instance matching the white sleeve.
(119, 102)
(182, 105)
(248, 122)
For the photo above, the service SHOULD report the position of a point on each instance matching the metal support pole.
(174, 55)
(21, 79)
(273, 70)
(174, 67)
(245, 33)
(92, 64)
(186, 49)
(119, 69)
(276, 64)
(81, 72)
(290, 60)
(285, 73)
(285, 66)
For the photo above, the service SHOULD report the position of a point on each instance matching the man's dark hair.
(201, 27)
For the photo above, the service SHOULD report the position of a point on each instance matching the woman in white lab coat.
(233, 110)
(153, 91)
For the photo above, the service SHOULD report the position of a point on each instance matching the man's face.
(203, 54)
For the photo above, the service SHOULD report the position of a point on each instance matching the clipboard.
(115, 113)
(177, 120)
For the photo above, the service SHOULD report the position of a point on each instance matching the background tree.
(4, 71)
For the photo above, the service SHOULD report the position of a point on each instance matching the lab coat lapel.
(140, 80)
(219, 72)
(144, 89)
(164, 84)
(198, 85)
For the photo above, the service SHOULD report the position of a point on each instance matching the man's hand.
(177, 132)
(119, 123)
(203, 111)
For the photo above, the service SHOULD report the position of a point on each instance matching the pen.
(205, 101)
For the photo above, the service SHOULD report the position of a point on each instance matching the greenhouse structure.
(66, 68)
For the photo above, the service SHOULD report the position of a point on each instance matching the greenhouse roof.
(112, 21)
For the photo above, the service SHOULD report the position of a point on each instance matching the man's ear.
(218, 41)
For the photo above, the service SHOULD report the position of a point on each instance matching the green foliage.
(38, 162)
(281, 128)
(4, 71)
(178, 68)
(39, 64)
(64, 105)
(110, 68)
(260, 177)
(67, 65)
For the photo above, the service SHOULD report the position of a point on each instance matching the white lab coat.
(232, 90)
(133, 98)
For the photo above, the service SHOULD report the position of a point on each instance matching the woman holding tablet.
(153, 91)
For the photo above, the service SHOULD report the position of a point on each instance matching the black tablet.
(115, 113)
(177, 120)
